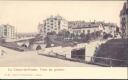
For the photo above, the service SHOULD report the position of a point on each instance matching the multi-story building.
(110, 28)
(124, 20)
(53, 24)
(7, 31)
(57, 23)
(78, 27)
(85, 29)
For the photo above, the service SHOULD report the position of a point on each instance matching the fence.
(103, 61)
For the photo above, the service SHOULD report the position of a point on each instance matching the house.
(124, 20)
(78, 27)
(7, 31)
(53, 24)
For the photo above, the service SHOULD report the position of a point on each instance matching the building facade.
(53, 24)
(124, 20)
(7, 31)
(110, 28)
(57, 23)
(78, 27)
(85, 30)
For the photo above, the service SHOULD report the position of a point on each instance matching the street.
(14, 58)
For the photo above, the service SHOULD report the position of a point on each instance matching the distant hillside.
(116, 49)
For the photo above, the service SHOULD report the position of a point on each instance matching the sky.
(26, 15)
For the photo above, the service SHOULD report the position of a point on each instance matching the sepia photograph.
(64, 33)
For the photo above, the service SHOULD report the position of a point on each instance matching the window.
(59, 23)
(51, 20)
(127, 11)
(5, 33)
(88, 31)
(44, 24)
(83, 31)
(55, 18)
(47, 29)
(55, 28)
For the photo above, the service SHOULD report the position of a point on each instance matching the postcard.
(63, 39)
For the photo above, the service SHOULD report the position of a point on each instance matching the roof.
(6, 25)
(124, 9)
(83, 24)
(84, 27)
(58, 17)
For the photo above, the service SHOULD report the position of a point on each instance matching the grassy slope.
(115, 48)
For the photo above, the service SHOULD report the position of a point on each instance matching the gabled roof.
(83, 24)
(124, 9)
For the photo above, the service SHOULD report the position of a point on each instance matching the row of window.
(83, 31)
(51, 26)
(52, 20)
(49, 31)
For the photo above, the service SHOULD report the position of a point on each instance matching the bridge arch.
(38, 47)
(24, 45)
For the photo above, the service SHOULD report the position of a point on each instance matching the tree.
(88, 36)
(117, 30)
(72, 35)
(51, 33)
(67, 33)
(82, 35)
(47, 41)
(63, 34)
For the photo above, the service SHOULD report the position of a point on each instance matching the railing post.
(65, 55)
(85, 59)
(110, 62)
